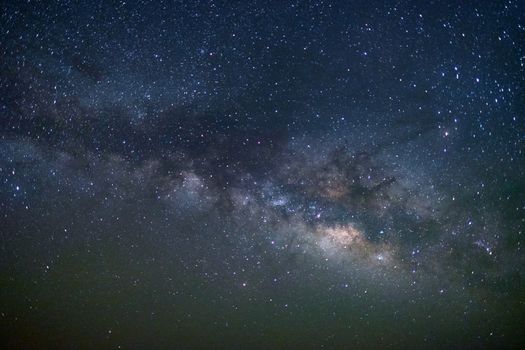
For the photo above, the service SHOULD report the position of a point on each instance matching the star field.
(262, 174)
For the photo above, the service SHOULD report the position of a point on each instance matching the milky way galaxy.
(262, 174)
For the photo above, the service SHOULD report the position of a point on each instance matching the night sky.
(262, 174)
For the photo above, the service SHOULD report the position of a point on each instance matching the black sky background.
(262, 174)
